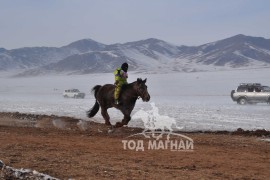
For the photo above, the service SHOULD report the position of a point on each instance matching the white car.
(73, 93)
(251, 93)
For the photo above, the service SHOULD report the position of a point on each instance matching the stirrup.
(116, 102)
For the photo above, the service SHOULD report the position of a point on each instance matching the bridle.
(141, 93)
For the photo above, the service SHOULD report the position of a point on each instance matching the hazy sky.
(182, 22)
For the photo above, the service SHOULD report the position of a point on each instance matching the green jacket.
(120, 76)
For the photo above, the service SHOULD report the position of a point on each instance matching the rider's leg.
(117, 91)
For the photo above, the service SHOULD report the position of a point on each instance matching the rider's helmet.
(124, 67)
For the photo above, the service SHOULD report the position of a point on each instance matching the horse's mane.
(125, 86)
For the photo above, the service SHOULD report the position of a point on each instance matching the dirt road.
(69, 148)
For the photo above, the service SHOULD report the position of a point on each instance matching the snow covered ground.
(198, 100)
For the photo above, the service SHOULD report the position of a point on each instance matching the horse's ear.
(139, 80)
(144, 81)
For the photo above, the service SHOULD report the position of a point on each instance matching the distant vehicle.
(251, 93)
(73, 93)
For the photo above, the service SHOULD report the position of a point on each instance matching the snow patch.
(24, 173)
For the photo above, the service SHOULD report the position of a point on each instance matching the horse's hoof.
(118, 124)
(108, 124)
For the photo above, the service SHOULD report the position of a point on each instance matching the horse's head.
(141, 89)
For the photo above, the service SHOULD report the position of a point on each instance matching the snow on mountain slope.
(35, 57)
(83, 63)
(148, 56)
(85, 45)
(249, 51)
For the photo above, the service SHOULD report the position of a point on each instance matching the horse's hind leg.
(106, 116)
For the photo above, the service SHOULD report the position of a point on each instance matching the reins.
(139, 92)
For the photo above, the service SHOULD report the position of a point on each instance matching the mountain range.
(150, 55)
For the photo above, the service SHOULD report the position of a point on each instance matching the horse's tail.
(95, 90)
(93, 111)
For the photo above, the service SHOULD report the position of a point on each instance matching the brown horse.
(105, 99)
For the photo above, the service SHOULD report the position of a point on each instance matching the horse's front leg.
(124, 121)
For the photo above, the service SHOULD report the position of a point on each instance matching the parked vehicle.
(251, 93)
(73, 93)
